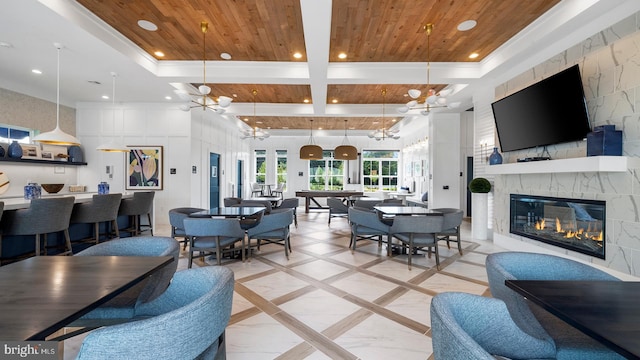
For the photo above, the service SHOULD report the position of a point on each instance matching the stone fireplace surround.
(595, 178)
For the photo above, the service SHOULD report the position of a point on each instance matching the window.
(380, 170)
(10, 133)
(261, 166)
(326, 174)
(281, 168)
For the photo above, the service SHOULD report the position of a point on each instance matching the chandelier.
(255, 132)
(433, 99)
(384, 133)
(57, 136)
(311, 151)
(202, 99)
(345, 151)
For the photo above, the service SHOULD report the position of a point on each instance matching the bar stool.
(44, 216)
(102, 208)
(140, 204)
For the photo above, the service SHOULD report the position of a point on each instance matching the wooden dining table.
(607, 311)
(43, 294)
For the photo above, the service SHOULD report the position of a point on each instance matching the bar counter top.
(16, 202)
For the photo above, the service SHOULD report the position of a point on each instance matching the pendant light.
(255, 132)
(57, 136)
(311, 151)
(345, 151)
(113, 146)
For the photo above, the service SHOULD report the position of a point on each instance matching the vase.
(15, 150)
(103, 188)
(75, 154)
(32, 191)
(495, 158)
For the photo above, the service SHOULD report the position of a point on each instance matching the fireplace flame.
(540, 224)
(590, 233)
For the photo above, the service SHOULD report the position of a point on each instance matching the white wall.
(444, 161)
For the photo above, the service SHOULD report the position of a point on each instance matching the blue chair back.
(186, 322)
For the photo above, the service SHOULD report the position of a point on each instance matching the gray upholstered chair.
(365, 225)
(472, 327)
(570, 342)
(290, 203)
(337, 208)
(213, 235)
(417, 233)
(187, 321)
(451, 226)
(366, 203)
(176, 218)
(123, 304)
(278, 191)
(230, 201)
(102, 208)
(44, 216)
(257, 203)
(274, 228)
(140, 204)
(256, 189)
(395, 202)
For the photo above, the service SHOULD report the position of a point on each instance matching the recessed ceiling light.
(246, 119)
(297, 55)
(320, 128)
(393, 120)
(467, 25)
(342, 56)
(167, 97)
(335, 101)
(473, 55)
(306, 101)
(106, 97)
(159, 54)
(225, 56)
(36, 71)
(147, 25)
(375, 122)
(5, 44)
(258, 122)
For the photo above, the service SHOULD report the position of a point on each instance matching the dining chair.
(187, 321)
(279, 190)
(101, 209)
(42, 217)
(213, 235)
(257, 203)
(471, 327)
(366, 203)
(176, 220)
(229, 201)
(451, 226)
(289, 203)
(140, 204)
(337, 208)
(123, 306)
(417, 233)
(256, 189)
(274, 228)
(365, 225)
(512, 265)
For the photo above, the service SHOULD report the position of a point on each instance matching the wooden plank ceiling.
(367, 31)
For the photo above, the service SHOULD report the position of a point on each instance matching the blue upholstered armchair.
(472, 327)
(186, 322)
(365, 225)
(570, 342)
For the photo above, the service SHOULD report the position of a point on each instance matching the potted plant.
(479, 188)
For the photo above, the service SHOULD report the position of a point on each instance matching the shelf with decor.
(41, 162)
(583, 164)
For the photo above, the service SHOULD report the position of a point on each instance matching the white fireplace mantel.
(584, 164)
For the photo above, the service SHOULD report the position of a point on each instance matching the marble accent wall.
(610, 66)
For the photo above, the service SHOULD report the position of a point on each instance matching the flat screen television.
(551, 111)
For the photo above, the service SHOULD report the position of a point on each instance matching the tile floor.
(326, 302)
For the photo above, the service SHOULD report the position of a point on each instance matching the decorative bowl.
(52, 188)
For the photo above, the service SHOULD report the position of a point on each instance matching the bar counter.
(19, 202)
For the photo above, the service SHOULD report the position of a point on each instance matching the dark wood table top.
(231, 211)
(406, 210)
(42, 294)
(607, 311)
(327, 193)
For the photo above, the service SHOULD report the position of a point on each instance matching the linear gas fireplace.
(573, 224)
